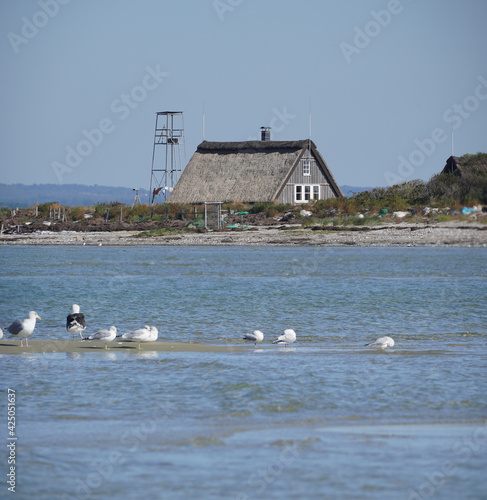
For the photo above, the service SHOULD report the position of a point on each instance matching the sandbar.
(68, 346)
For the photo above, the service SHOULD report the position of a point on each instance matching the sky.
(380, 85)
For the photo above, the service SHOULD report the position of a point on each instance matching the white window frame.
(306, 167)
(304, 193)
(298, 193)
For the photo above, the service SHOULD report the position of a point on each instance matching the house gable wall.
(316, 177)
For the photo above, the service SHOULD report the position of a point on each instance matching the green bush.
(270, 208)
(78, 213)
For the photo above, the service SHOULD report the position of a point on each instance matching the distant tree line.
(22, 195)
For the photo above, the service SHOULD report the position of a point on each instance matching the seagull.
(106, 335)
(1, 333)
(256, 336)
(146, 334)
(22, 328)
(75, 322)
(288, 338)
(382, 343)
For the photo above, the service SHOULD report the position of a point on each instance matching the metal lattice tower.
(166, 154)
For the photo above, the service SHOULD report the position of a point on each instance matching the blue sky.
(385, 82)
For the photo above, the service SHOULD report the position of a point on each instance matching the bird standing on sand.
(106, 335)
(287, 338)
(256, 336)
(75, 322)
(22, 328)
(382, 343)
(146, 334)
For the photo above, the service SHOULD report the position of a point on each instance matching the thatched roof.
(251, 146)
(247, 171)
(462, 165)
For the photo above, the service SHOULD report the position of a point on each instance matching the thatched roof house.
(255, 171)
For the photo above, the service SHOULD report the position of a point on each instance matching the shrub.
(78, 213)
(236, 206)
(270, 208)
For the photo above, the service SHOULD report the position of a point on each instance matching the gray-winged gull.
(146, 334)
(382, 342)
(106, 335)
(255, 336)
(287, 338)
(22, 328)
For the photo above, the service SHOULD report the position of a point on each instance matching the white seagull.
(22, 328)
(1, 333)
(106, 335)
(146, 334)
(256, 336)
(287, 338)
(382, 343)
(75, 322)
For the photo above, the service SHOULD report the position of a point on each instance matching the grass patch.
(161, 231)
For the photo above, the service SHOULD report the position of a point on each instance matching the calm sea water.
(325, 418)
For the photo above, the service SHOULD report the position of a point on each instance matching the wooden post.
(121, 214)
(167, 212)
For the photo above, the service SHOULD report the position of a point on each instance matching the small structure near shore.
(256, 171)
(464, 165)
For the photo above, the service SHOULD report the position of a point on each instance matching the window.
(306, 167)
(306, 192)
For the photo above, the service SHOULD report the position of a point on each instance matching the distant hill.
(22, 196)
(351, 190)
(73, 195)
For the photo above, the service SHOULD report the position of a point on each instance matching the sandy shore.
(459, 234)
(47, 346)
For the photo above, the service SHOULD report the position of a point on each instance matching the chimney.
(265, 133)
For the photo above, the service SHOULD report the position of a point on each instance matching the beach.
(452, 233)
